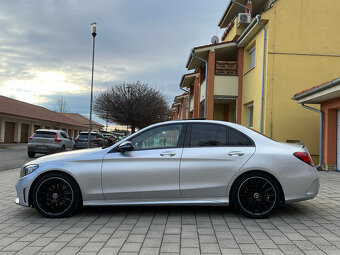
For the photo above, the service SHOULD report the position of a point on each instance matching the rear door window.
(208, 135)
(213, 135)
(236, 138)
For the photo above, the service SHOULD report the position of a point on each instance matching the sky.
(46, 46)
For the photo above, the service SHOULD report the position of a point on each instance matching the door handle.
(169, 154)
(236, 153)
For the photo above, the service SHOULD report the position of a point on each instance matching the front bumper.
(22, 188)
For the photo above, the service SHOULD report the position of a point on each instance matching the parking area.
(310, 227)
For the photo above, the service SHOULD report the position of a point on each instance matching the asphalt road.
(13, 157)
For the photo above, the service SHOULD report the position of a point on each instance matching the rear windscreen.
(44, 134)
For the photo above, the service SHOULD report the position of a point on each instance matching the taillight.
(77, 140)
(31, 137)
(94, 140)
(56, 138)
(305, 157)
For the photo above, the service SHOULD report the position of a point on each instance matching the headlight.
(30, 169)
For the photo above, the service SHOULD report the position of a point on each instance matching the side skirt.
(182, 201)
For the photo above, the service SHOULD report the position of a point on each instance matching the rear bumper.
(44, 148)
(308, 189)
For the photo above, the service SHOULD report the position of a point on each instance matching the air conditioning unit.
(243, 18)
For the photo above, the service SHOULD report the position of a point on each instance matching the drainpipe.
(263, 59)
(321, 131)
(206, 80)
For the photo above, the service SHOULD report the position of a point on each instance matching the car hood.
(93, 153)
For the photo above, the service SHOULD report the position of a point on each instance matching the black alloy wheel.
(56, 195)
(256, 195)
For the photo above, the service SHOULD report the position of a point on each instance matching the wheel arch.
(282, 198)
(48, 172)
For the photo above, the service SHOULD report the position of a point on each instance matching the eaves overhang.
(187, 80)
(227, 48)
(320, 93)
(179, 99)
(250, 32)
(232, 10)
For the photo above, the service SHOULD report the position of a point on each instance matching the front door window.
(158, 138)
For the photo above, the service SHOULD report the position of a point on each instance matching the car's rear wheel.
(256, 195)
(31, 154)
(56, 195)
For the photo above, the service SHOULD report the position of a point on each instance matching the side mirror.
(125, 146)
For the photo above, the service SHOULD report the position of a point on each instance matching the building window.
(250, 115)
(252, 57)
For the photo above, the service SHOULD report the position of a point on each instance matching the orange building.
(328, 96)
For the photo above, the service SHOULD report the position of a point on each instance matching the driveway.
(13, 156)
(310, 227)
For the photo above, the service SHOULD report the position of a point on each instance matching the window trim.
(250, 52)
(249, 107)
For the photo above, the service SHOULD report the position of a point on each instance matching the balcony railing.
(226, 68)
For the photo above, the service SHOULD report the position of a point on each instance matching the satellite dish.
(214, 39)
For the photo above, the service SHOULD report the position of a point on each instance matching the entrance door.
(338, 143)
(24, 133)
(9, 132)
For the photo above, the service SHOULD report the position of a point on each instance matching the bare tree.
(135, 104)
(61, 105)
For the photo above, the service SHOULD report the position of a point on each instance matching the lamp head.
(94, 29)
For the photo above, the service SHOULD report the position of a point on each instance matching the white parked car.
(185, 162)
(48, 141)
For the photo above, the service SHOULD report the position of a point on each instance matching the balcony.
(226, 85)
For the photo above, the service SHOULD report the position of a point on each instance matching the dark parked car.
(97, 140)
(111, 139)
(47, 141)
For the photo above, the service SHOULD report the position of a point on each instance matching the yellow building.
(279, 48)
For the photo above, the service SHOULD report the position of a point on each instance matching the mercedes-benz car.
(187, 162)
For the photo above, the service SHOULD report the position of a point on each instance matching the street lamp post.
(129, 103)
(94, 33)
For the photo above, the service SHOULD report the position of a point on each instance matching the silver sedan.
(176, 163)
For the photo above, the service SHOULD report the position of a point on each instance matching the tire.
(31, 154)
(63, 148)
(256, 195)
(56, 195)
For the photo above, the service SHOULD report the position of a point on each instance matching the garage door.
(9, 132)
(338, 143)
(24, 133)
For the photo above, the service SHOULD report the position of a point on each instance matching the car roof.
(255, 136)
(50, 130)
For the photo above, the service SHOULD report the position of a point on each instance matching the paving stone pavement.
(309, 227)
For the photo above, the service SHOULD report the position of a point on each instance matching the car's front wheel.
(256, 195)
(56, 195)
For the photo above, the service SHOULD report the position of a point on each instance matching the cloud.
(145, 40)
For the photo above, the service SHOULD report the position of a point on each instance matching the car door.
(66, 139)
(151, 170)
(212, 154)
